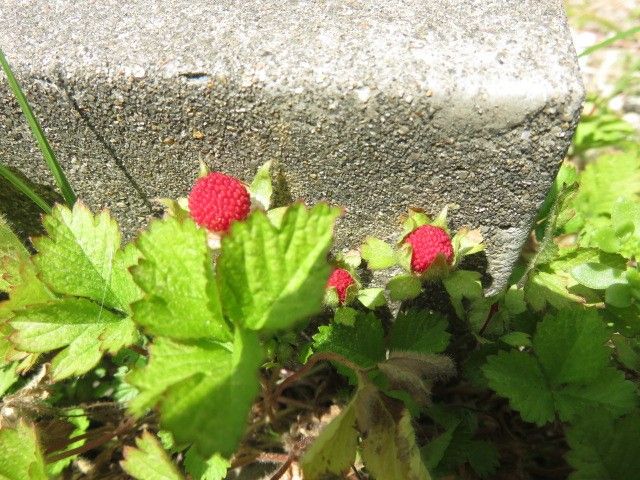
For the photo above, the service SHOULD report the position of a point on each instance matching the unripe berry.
(217, 200)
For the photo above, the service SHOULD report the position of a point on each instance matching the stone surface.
(375, 105)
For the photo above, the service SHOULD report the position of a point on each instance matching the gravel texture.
(374, 105)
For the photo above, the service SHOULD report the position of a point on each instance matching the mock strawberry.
(427, 243)
(340, 279)
(217, 200)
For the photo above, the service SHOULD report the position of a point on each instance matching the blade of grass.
(609, 41)
(47, 152)
(23, 187)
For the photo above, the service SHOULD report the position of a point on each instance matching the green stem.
(22, 187)
(47, 152)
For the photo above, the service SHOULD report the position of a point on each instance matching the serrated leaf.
(176, 274)
(215, 468)
(597, 276)
(334, 450)
(378, 254)
(149, 461)
(569, 373)
(20, 454)
(463, 284)
(372, 298)
(83, 329)
(271, 278)
(346, 316)
(12, 254)
(518, 377)
(571, 346)
(609, 392)
(261, 188)
(363, 343)
(8, 377)
(604, 449)
(419, 331)
(82, 257)
(404, 287)
(516, 339)
(388, 446)
(201, 387)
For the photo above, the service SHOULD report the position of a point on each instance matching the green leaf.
(215, 468)
(627, 351)
(176, 274)
(404, 287)
(518, 377)
(334, 451)
(619, 295)
(83, 329)
(516, 339)
(605, 181)
(149, 461)
(261, 188)
(81, 257)
(419, 331)
(363, 343)
(38, 134)
(597, 276)
(271, 278)
(388, 447)
(12, 255)
(604, 449)
(378, 254)
(372, 298)
(202, 390)
(569, 374)
(610, 41)
(571, 346)
(609, 392)
(463, 284)
(8, 377)
(21, 457)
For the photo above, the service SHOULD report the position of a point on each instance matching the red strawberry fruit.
(428, 242)
(340, 279)
(217, 200)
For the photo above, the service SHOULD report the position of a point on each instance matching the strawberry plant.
(228, 340)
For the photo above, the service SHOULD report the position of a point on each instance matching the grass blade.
(47, 152)
(609, 41)
(23, 187)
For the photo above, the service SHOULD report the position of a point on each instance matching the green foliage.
(604, 448)
(189, 381)
(176, 273)
(569, 371)
(419, 331)
(148, 460)
(271, 278)
(334, 451)
(20, 454)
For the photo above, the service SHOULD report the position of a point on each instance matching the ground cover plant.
(227, 340)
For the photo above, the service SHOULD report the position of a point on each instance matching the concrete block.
(377, 105)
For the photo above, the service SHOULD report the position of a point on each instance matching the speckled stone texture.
(377, 105)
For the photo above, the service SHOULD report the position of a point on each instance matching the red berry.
(427, 243)
(340, 279)
(217, 200)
